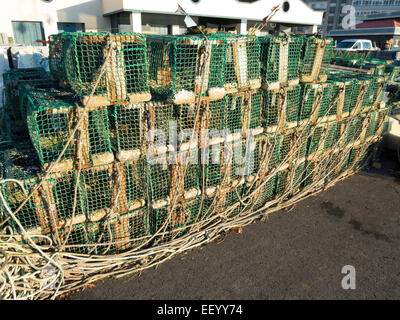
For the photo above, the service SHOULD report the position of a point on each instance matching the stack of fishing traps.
(164, 135)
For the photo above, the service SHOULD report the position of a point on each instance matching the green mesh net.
(182, 67)
(242, 68)
(280, 58)
(317, 53)
(11, 79)
(315, 101)
(76, 60)
(281, 107)
(51, 116)
(24, 87)
(352, 54)
(392, 73)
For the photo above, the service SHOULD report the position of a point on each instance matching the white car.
(355, 45)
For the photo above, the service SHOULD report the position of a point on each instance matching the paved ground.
(295, 255)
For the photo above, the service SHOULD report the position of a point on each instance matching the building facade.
(334, 14)
(28, 21)
(368, 7)
(317, 5)
(381, 28)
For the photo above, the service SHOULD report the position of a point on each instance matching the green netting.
(290, 180)
(359, 97)
(371, 154)
(159, 179)
(392, 73)
(316, 56)
(280, 59)
(377, 69)
(242, 68)
(353, 54)
(374, 93)
(355, 157)
(345, 62)
(109, 198)
(373, 68)
(127, 130)
(267, 192)
(19, 161)
(234, 115)
(371, 118)
(243, 111)
(354, 129)
(216, 169)
(340, 98)
(181, 67)
(52, 202)
(381, 122)
(76, 59)
(51, 116)
(367, 90)
(232, 198)
(338, 165)
(25, 87)
(183, 214)
(281, 107)
(137, 129)
(315, 101)
(322, 138)
(324, 169)
(12, 78)
(293, 145)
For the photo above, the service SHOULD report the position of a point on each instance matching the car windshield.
(345, 44)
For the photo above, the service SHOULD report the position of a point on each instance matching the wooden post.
(283, 61)
(240, 60)
(203, 66)
(115, 72)
(340, 103)
(82, 142)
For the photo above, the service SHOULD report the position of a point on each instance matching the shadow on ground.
(293, 255)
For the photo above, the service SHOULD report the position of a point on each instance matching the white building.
(29, 20)
(369, 7)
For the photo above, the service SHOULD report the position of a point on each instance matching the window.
(148, 29)
(28, 32)
(120, 22)
(345, 44)
(70, 27)
(366, 45)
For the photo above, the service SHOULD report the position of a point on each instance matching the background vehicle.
(355, 45)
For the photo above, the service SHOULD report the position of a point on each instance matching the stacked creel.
(214, 84)
(137, 169)
(11, 79)
(373, 66)
(295, 99)
(76, 197)
(346, 116)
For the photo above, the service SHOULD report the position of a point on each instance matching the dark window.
(70, 27)
(286, 6)
(28, 32)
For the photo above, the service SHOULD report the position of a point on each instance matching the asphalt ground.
(297, 254)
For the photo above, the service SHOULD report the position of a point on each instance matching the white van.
(355, 45)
